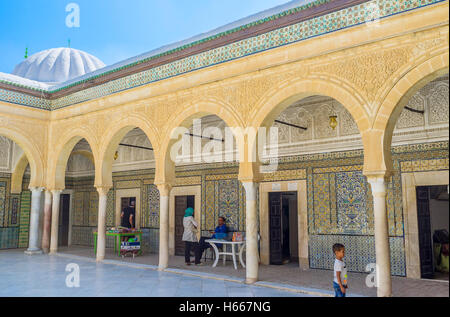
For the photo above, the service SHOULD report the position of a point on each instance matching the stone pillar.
(382, 249)
(101, 237)
(33, 247)
(55, 221)
(164, 191)
(47, 221)
(251, 233)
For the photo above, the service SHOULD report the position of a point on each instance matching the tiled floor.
(290, 275)
(44, 275)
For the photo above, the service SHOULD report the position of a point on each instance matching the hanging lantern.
(333, 122)
(116, 155)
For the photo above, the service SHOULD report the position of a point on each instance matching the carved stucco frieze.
(439, 104)
(410, 119)
(368, 72)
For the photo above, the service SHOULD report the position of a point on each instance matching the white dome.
(57, 65)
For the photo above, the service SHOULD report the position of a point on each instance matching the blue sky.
(112, 30)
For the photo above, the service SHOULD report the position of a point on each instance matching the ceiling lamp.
(333, 122)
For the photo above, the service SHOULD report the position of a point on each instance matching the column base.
(251, 280)
(46, 251)
(304, 264)
(161, 269)
(100, 258)
(33, 252)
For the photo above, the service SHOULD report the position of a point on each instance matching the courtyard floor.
(286, 280)
(45, 276)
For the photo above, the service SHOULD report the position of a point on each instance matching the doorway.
(283, 228)
(125, 202)
(181, 204)
(433, 225)
(64, 220)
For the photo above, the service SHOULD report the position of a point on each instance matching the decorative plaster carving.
(369, 71)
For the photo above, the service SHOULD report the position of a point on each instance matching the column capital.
(36, 189)
(378, 174)
(250, 190)
(378, 185)
(56, 191)
(103, 189)
(164, 189)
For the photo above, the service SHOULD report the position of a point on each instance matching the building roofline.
(198, 44)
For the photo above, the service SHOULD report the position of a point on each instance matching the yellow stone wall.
(372, 71)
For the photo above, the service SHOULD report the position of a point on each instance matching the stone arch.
(62, 151)
(32, 153)
(111, 140)
(393, 104)
(17, 175)
(276, 100)
(165, 171)
(279, 98)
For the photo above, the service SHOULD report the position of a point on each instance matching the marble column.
(55, 221)
(164, 191)
(33, 247)
(101, 237)
(382, 249)
(47, 221)
(251, 233)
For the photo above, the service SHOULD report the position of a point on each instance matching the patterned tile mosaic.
(331, 22)
(340, 205)
(25, 206)
(3, 205)
(359, 252)
(9, 238)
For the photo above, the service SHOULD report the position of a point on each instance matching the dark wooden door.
(181, 204)
(64, 220)
(275, 229)
(425, 241)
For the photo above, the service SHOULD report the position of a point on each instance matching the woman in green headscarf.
(189, 212)
(190, 237)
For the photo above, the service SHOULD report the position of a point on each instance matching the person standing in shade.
(190, 237)
(127, 216)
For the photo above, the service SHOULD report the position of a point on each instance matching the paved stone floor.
(291, 275)
(45, 276)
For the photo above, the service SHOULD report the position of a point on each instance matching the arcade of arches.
(354, 183)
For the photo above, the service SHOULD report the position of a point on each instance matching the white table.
(240, 245)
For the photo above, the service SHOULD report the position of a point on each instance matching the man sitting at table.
(220, 233)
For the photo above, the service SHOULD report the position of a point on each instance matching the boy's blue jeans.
(337, 290)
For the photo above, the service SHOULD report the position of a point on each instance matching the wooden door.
(180, 207)
(425, 239)
(276, 251)
(64, 220)
(181, 204)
